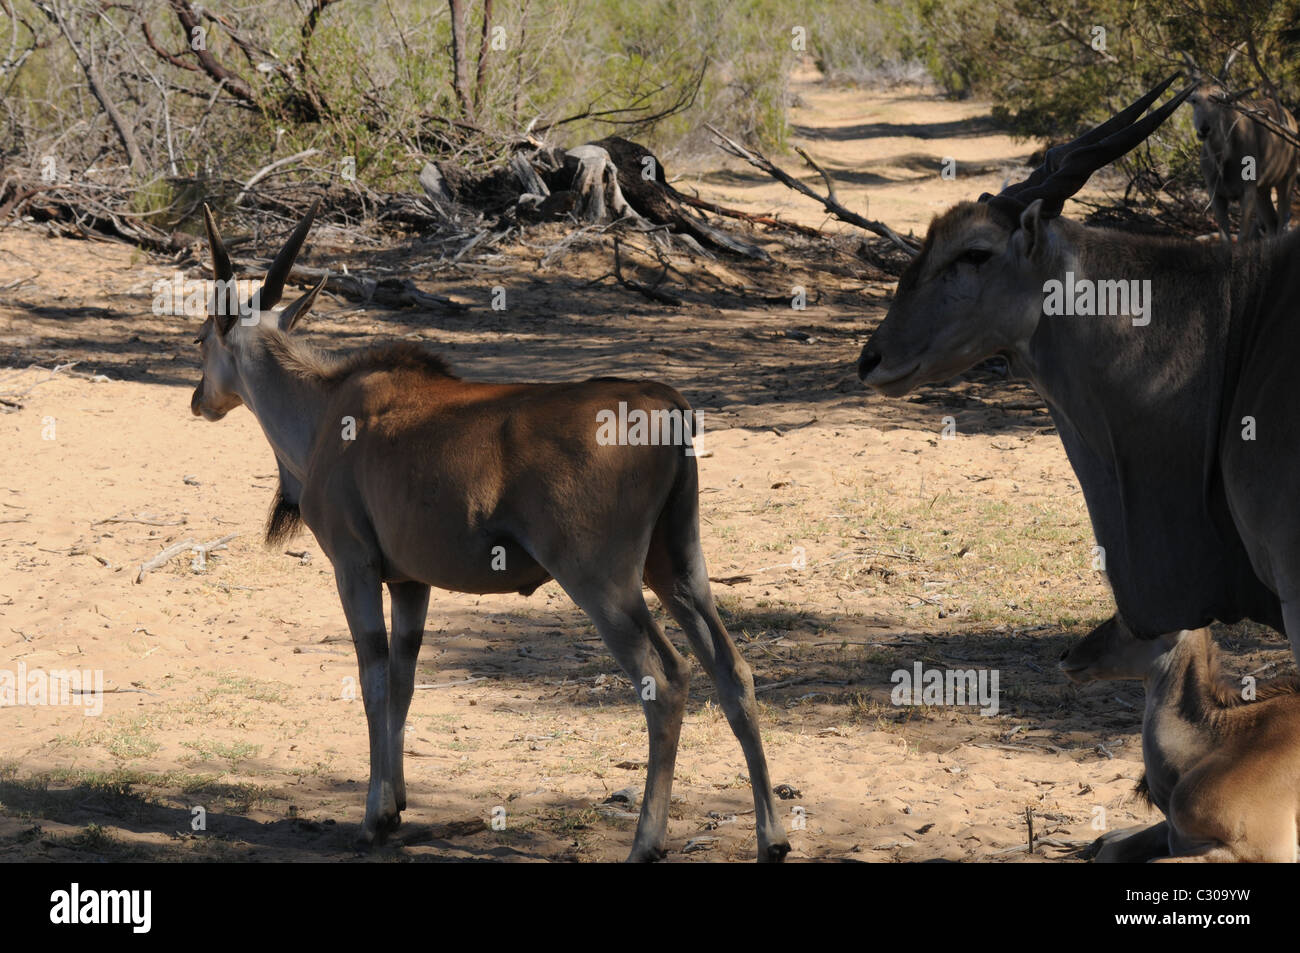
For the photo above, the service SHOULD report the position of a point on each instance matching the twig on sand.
(201, 551)
(13, 399)
(829, 201)
(770, 686)
(143, 519)
(463, 681)
(164, 557)
(113, 691)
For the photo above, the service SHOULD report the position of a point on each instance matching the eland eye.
(974, 256)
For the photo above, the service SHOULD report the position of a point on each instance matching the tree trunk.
(459, 55)
(480, 80)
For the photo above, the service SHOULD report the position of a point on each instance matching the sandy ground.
(229, 686)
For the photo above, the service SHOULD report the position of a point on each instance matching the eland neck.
(1097, 370)
(287, 402)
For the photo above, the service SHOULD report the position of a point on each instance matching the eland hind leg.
(607, 587)
(661, 678)
(676, 571)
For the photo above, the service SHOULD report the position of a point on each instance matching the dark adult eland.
(1181, 418)
(411, 477)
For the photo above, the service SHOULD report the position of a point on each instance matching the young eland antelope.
(1224, 770)
(480, 488)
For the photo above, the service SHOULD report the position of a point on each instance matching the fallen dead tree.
(599, 182)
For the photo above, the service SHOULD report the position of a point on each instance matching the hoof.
(646, 856)
(369, 839)
(775, 853)
(366, 842)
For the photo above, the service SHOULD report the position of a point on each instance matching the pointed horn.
(1080, 165)
(1227, 64)
(293, 314)
(273, 287)
(221, 269)
(1056, 157)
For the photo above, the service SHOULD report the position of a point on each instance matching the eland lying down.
(1222, 762)
(410, 477)
(1181, 418)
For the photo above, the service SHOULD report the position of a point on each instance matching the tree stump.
(595, 180)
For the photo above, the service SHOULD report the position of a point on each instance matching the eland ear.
(293, 314)
(1032, 225)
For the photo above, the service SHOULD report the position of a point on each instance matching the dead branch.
(649, 291)
(696, 202)
(172, 58)
(13, 399)
(528, 178)
(760, 161)
(830, 184)
(1262, 118)
(201, 551)
(210, 65)
(654, 199)
(685, 99)
(386, 292)
(266, 170)
(168, 554)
